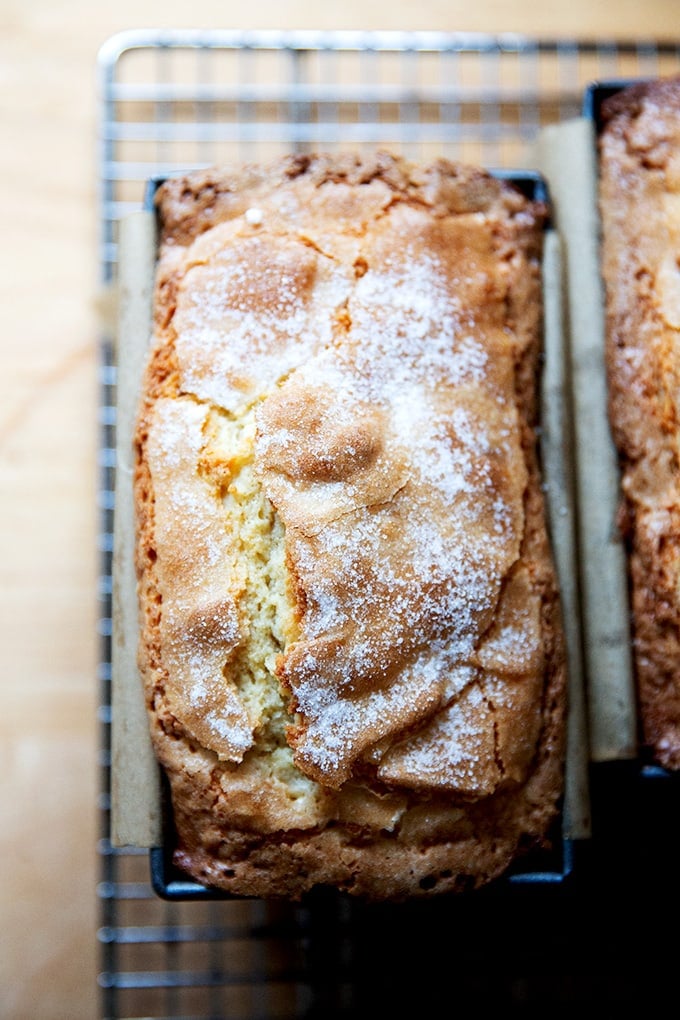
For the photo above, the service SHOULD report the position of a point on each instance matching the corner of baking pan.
(169, 883)
(150, 188)
(531, 183)
(597, 92)
(167, 880)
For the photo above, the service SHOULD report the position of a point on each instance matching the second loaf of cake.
(350, 628)
(640, 209)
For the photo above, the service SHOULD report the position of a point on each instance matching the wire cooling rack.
(176, 100)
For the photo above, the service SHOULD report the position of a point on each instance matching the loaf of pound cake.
(351, 640)
(640, 213)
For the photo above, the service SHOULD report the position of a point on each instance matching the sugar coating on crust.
(640, 208)
(351, 642)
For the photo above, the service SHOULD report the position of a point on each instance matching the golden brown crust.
(351, 638)
(640, 208)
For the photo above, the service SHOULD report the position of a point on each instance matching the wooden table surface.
(48, 435)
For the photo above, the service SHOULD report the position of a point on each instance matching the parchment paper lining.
(566, 155)
(136, 814)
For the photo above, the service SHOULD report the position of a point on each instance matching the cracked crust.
(350, 633)
(640, 207)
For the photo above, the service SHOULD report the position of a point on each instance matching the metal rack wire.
(174, 100)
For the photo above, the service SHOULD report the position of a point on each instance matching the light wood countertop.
(49, 436)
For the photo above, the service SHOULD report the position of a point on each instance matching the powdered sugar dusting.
(454, 751)
(254, 216)
(241, 329)
(340, 728)
(402, 587)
